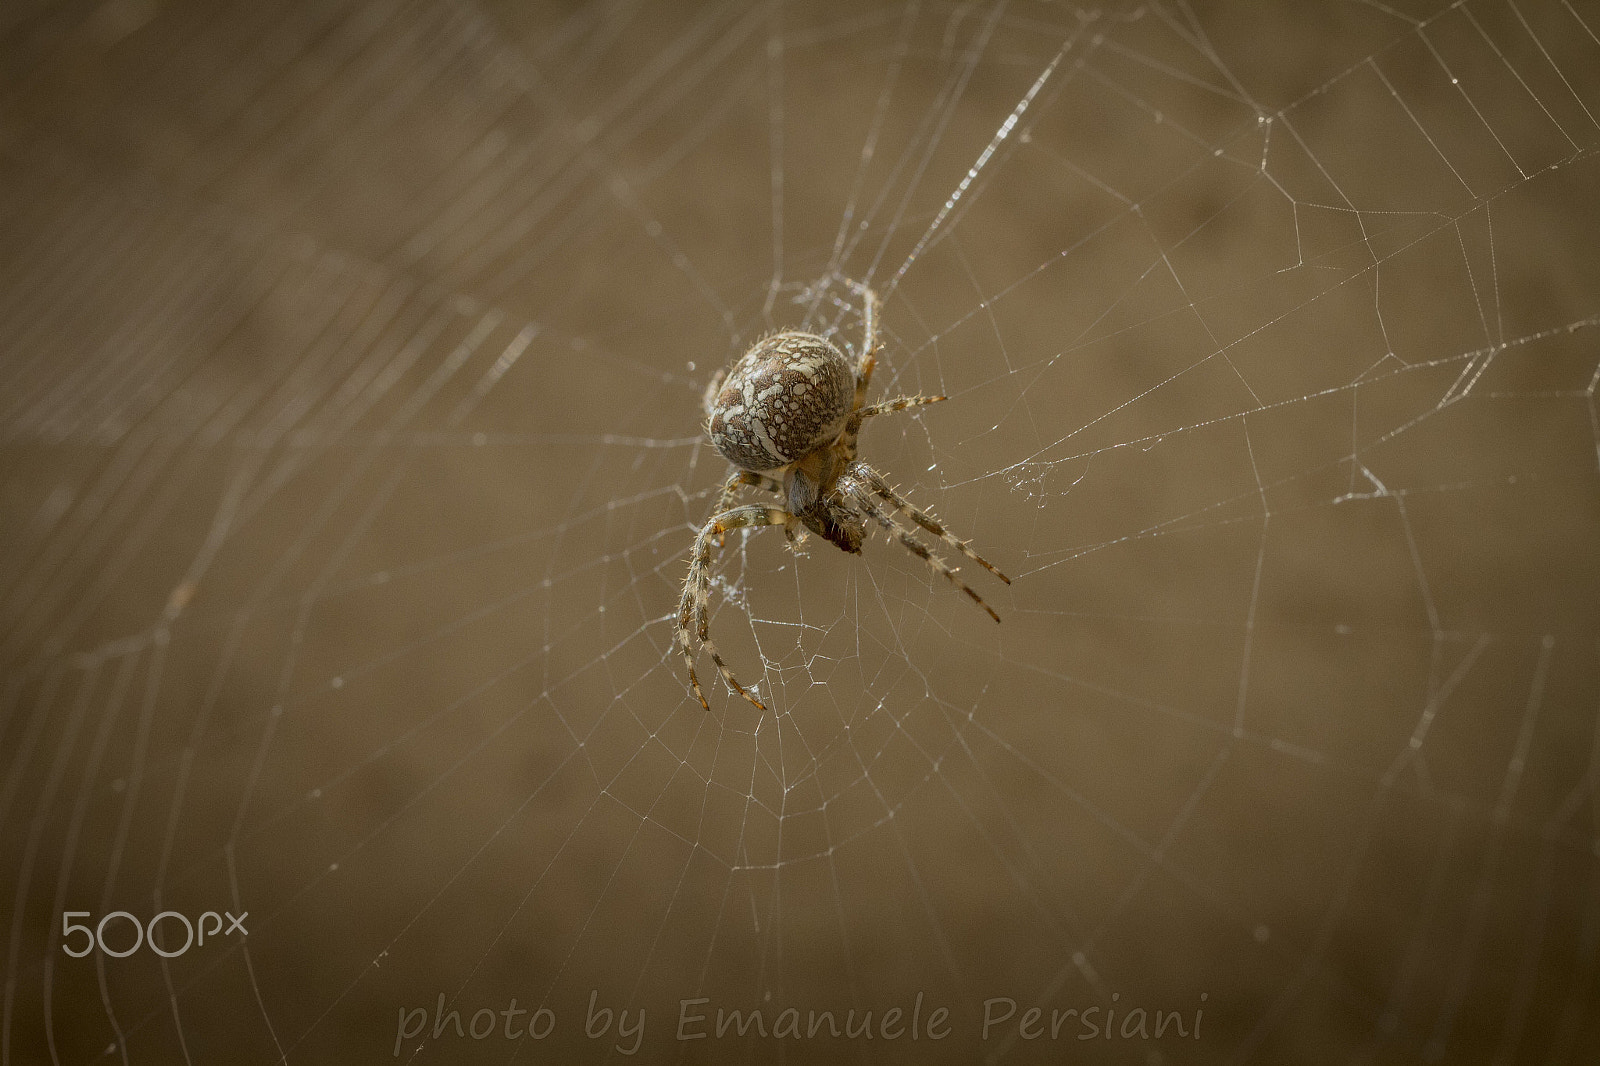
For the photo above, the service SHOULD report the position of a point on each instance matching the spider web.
(351, 382)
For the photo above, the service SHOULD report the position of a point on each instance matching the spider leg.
(739, 479)
(926, 520)
(692, 606)
(852, 426)
(708, 399)
(919, 549)
(869, 339)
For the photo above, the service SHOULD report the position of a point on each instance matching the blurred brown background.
(350, 364)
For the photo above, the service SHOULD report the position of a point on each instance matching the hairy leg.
(739, 479)
(925, 520)
(869, 339)
(852, 426)
(692, 605)
(920, 550)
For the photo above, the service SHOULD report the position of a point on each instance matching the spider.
(787, 416)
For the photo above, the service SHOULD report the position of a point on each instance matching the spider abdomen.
(786, 396)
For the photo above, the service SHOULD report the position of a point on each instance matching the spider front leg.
(919, 549)
(925, 520)
(692, 606)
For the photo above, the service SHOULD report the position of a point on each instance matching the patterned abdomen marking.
(787, 395)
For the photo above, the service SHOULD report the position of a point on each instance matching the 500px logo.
(146, 933)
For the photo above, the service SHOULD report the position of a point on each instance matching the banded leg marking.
(693, 605)
(928, 522)
(919, 549)
(852, 426)
(741, 478)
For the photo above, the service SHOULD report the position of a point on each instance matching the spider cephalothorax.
(787, 415)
